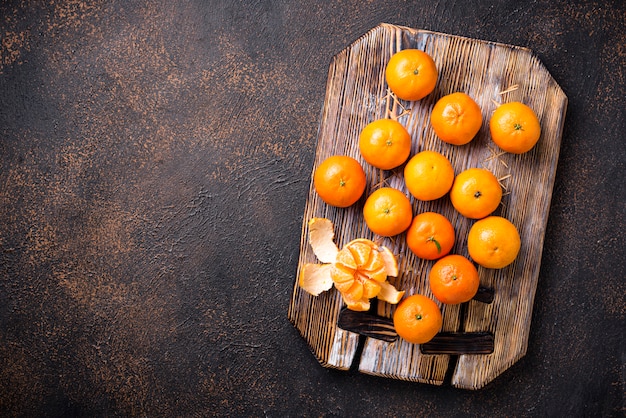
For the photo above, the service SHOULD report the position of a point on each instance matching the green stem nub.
(432, 239)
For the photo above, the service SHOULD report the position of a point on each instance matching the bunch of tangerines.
(493, 241)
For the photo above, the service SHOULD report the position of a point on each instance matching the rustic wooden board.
(356, 95)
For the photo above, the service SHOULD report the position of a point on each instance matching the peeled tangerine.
(359, 270)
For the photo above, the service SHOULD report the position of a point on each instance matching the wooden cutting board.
(356, 94)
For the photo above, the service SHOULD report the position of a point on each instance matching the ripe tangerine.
(453, 279)
(417, 319)
(388, 212)
(476, 193)
(493, 242)
(411, 74)
(515, 127)
(339, 180)
(456, 118)
(385, 143)
(430, 236)
(428, 175)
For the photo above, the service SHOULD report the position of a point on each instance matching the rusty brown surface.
(154, 161)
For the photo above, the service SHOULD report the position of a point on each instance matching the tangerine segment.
(493, 242)
(514, 127)
(476, 193)
(385, 143)
(411, 74)
(454, 279)
(456, 118)
(417, 319)
(388, 212)
(430, 236)
(339, 180)
(428, 175)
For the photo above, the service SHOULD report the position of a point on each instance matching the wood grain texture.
(356, 94)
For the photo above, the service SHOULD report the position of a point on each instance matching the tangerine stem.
(432, 239)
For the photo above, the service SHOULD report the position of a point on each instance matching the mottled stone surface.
(154, 161)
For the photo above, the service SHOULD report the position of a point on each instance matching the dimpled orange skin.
(476, 193)
(430, 236)
(514, 127)
(454, 279)
(388, 212)
(456, 118)
(411, 74)
(339, 180)
(428, 175)
(417, 319)
(385, 143)
(493, 242)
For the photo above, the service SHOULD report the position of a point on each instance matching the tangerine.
(475, 193)
(493, 242)
(515, 127)
(411, 74)
(417, 319)
(430, 236)
(359, 270)
(428, 175)
(456, 118)
(453, 279)
(385, 143)
(358, 273)
(388, 212)
(339, 180)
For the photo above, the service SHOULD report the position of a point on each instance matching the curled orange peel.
(359, 271)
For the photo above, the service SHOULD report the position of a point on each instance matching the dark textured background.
(154, 162)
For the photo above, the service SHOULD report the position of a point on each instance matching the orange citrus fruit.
(360, 273)
(385, 143)
(339, 180)
(476, 193)
(359, 270)
(514, 127)
(430, 236)
(428, 175)
(493, 242)
(388, 212)
(453, 279)
(417, 319)
(456, 118)
(411, 74)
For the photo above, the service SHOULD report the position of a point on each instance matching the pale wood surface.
(357, 94)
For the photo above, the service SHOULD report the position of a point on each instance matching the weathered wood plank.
(357, 94)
